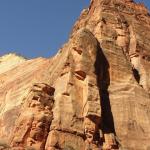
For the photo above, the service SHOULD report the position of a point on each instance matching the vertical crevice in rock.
(103, 81)
(136, 75)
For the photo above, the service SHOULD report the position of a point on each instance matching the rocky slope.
(94, 94)
(10, 61)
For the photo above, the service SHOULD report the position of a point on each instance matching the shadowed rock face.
(94, 94)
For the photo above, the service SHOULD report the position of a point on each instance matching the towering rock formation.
(94, 94)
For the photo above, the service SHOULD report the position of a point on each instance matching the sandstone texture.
(93, 94)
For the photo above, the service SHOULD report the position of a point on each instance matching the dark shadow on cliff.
(103, 82)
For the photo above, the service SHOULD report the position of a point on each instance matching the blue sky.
(35, 28)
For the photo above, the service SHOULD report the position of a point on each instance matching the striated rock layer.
(94, 94)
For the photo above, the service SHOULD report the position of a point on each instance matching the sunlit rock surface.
(94, 94)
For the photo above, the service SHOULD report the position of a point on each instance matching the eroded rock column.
(32, 126)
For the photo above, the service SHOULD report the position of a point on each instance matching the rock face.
(94, 94)
(10, 61)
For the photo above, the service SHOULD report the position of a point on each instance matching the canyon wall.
(94, 94)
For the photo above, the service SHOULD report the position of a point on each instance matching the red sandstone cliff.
(94, 94)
